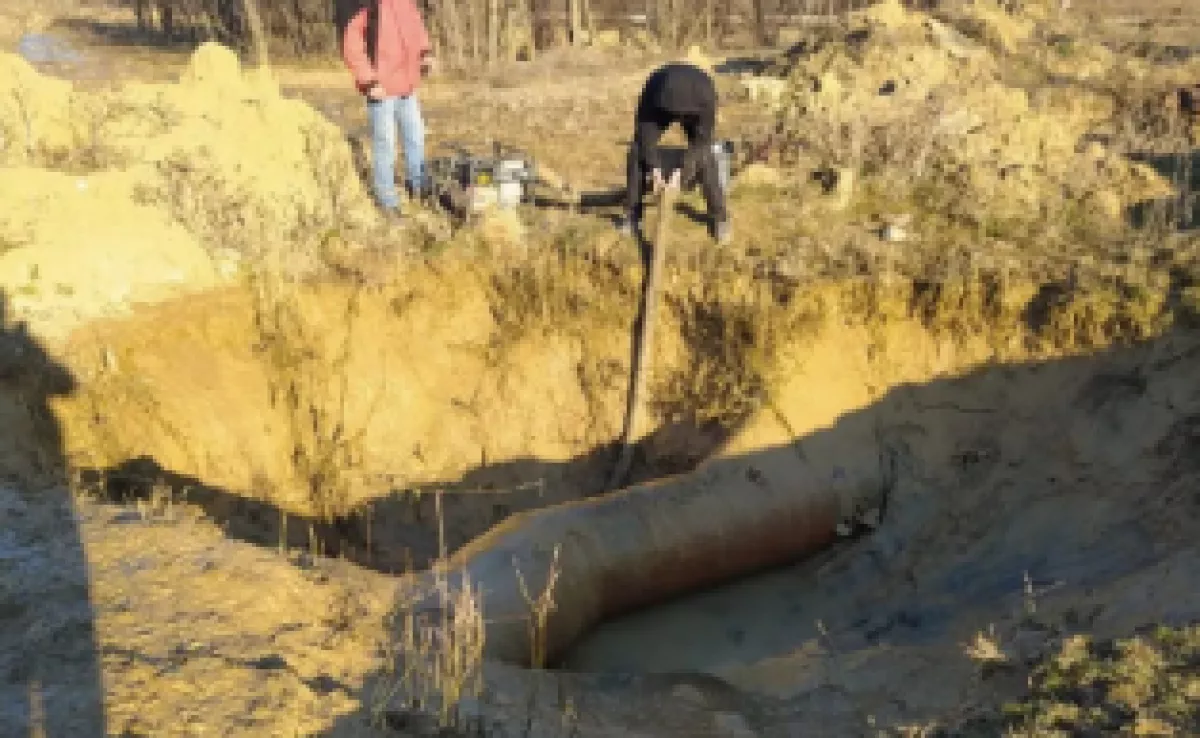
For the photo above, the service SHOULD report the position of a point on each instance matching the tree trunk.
(531, 27)
(476, 42)
(709, 10)
(574, 20)
(493, 29)
(760, 23)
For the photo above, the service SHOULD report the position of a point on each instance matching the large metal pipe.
(736, 514)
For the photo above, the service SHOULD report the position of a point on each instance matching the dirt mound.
(933, 121)
(33, 111)
(74, 247)
(219, 161)
(275, 166)
(220, 134)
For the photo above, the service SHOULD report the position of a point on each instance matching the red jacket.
(402, 41)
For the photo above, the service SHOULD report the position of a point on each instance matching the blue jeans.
(385, 115)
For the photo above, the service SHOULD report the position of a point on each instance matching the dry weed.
(308, 378)
(540, 608)
(434, 662)
(985, 649)
(1144, 685)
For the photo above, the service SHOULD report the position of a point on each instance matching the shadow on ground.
(50, 680)
(1072, 477)
(398, 532)
(1071, 482)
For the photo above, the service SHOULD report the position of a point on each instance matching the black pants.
(700, 166)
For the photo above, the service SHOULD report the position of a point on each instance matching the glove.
(660, 183)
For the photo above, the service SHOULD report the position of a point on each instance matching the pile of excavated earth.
(974, 113)
(119, 195)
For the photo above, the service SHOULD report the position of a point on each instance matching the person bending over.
(386, 48)
(685, 94)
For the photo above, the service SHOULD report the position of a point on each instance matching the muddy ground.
(165, 568)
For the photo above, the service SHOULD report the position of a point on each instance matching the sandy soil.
(1038, 497)
(186, 577)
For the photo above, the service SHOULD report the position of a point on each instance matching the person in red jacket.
(386, 47)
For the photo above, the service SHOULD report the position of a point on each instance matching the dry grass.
(1144, 685)
(309, 381)
(435, 665)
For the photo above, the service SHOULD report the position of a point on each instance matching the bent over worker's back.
(679, 89)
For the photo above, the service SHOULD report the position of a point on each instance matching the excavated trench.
(848, 464)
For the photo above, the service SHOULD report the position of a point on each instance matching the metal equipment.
(467, 184)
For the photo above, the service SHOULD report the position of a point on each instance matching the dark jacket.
(677, 92)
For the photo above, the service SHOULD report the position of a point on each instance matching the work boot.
(723, 232)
